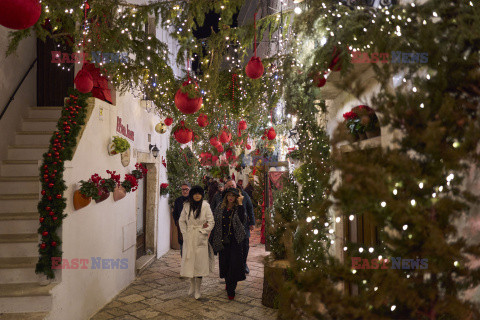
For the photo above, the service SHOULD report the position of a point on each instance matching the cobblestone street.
(160, 293)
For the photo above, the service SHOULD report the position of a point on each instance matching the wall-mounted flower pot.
(103, 196)
(119, 193)
(80, 201)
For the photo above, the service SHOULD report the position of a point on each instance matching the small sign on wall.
(125, 130)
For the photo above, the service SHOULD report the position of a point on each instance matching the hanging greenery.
(52, 204)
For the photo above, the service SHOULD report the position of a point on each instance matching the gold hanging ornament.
(161, 128)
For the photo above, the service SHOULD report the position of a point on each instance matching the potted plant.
(113, 185)
(354, 125)
(88, 190)
(163, 189)
(368, 120)
(118, 145)
(130, 183)
(140, 171)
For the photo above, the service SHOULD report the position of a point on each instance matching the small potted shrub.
(140, 171)
(130, 183)
(118, 145)
(163, 189)
(88, 190)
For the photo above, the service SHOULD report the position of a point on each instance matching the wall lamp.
(154, 149)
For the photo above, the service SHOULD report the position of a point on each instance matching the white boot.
(198, 282)
(192, 286)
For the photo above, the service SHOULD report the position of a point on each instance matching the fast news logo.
(96, 263)
(393, 57)
(396, 263)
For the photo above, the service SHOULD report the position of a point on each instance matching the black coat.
(177, 210)
(231, 258)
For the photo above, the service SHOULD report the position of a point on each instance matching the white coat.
(195, 258)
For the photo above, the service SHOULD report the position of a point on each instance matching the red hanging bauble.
(214, 141)
(184, 103)
(54, 244)
(202, 120)
(271, 134)
(84, 81)
(42, 246)
(168, 121)
(225, 135)
(254, 68)
(183, 134)
(242, 125)
(19, 14)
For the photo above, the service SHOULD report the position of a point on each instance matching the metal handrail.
(12, 97)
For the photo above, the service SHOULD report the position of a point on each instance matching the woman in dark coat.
(228, 238)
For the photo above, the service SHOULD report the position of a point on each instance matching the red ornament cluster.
(184, 103)
(202, 120)
(183, 134)
(19, 14)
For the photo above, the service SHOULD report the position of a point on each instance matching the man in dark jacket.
(250, 221)
(218, 197)
(177, 210)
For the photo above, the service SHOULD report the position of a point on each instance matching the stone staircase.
(22, 293)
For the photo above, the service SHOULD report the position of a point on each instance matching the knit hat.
(196, 189)
(234, 191)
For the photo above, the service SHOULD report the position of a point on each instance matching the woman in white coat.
(196, 221)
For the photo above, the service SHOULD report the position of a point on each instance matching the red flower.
(164, 186)
(115, 177)
(350, 115)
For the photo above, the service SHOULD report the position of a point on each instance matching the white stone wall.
(107, 229)
(12, 69)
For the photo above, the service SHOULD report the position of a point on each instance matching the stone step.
(18, 185)
(25, 297)
(33, 137)
(39, 124)
(18, 263)
(19, 202)
(45, 112)
(16, 226)
(21, 168)
(26, 152)
(24, 316)
(19, 238)
(19, 249)
(19, 245)
(19, 216)
(19, 275)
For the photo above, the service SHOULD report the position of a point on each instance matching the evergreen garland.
(52, 204)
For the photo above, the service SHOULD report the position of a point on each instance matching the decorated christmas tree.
(412, 190)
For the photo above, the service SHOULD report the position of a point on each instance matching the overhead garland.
(114, 26)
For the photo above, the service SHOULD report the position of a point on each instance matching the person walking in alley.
(249, 223)
(177, 210)
(196, 221)
(229, 238)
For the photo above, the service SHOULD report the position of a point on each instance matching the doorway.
(141, 217)
(53, 79)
